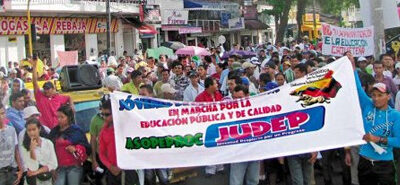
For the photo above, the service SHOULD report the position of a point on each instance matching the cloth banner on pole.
(337, 40)
(318, 112)
(67, 58)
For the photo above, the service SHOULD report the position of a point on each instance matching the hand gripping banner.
(318, 112)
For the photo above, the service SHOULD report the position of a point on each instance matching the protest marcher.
(38, 155)
(210, 94)
(133, 86)
(244, 171)
(381, 78)
(96, 124)
(15, 114)
(71, 145)
(163, 80)
(194, 89)
(48, 101)
(107, 152)
(179, 81)
(382, 127)
(11, 168)
(28, 98)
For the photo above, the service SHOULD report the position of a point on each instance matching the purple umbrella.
(242, 53)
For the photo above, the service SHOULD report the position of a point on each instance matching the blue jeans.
(72, 175)
(300, 170)
(250, 170)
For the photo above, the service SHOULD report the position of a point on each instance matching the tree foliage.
(334, 7)
(280, 11)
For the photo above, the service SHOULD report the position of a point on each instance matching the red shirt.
(206, 97)
(48, 107)
(107, 150)
(64, 157)
(216, 76)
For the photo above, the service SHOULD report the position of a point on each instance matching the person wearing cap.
(362, 64)
(48, 101)
(168, 92)
(194, 89)
(248, 74)
(15, 114)
(396, 78)
(382, 128)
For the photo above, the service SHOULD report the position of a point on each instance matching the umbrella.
(173, 45)
(242, 53)
(156, 52)
(192, 50)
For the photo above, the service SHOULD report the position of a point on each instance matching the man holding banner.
(382, 125)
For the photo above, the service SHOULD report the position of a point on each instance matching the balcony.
(74, 6)
(208, 26)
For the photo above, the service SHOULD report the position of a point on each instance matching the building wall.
(11, 50)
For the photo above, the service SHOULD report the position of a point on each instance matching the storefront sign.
(175, 17)
(250, 12)
(236, 23)
(318, 112)
(225, 19)
(309, 17)
(152, 14)
(186, 30)
(19, 25)
(337, 40)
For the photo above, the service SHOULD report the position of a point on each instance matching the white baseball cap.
(29, 111)
(360, 59)
(167, 88)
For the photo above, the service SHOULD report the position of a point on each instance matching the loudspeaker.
(80, 77)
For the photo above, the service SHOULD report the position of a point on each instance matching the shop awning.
(198, 5)
(255, 25)
(147, 30)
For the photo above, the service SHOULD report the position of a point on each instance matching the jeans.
(8, 177)
(355, 157)
(151, 174)
(376, 173)
(71, 174)
(130, 178)
(300, 170)
(250, 170)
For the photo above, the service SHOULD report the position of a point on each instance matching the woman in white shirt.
(38, 155)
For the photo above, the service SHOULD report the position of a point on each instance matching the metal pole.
(108, 28)
(29, 30)
(315, 22)
(379, 32)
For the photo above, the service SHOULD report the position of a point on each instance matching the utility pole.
(28, 12)
(108, 28)
(315, 22)
(379, 28)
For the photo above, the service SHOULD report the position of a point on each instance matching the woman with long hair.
(71, 145)
(38, 155)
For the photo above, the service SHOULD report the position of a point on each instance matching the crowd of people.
(42, 144)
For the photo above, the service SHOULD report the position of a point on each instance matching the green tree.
(280, 12)
(334, 7)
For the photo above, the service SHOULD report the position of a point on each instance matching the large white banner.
(315, 113)
(337, 40)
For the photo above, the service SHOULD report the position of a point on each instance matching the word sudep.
(164, 142)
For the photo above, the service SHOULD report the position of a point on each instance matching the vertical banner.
(318, 112)
(337, 40)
